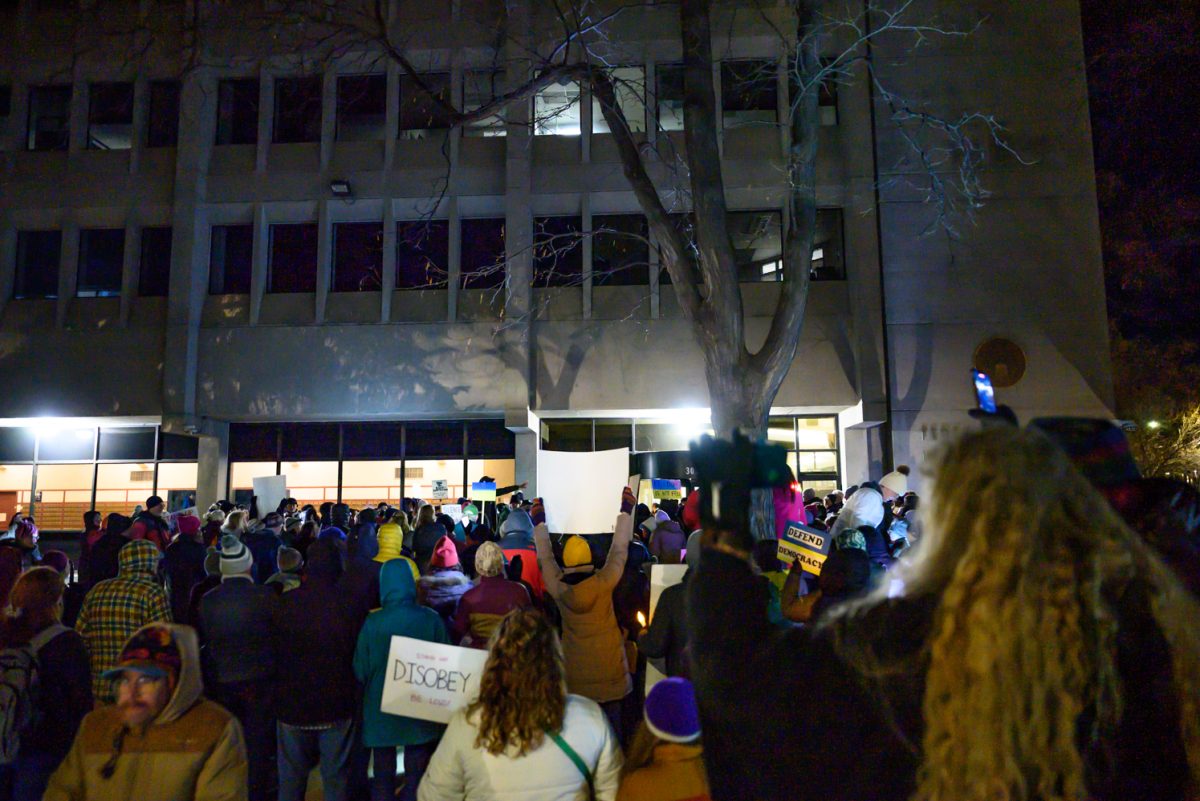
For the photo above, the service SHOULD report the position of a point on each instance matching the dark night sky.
(1143, 64)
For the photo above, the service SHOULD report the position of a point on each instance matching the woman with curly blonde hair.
(1035, 649)
(525, 736)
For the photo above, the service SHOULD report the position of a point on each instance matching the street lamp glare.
(1153, 424)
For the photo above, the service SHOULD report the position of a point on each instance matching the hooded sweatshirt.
(592, 643)
(400, 616)
(194, 749)
(116, 608)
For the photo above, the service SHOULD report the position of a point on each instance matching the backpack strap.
(40, 640)
(578, 760)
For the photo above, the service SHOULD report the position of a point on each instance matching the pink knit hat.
(444, 554)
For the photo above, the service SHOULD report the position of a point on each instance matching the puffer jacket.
(592, 643)
(668, 542)
(460, 770)
(116, 608)
(483, 606)
(443, 588)
(194, 749)
(399, 617)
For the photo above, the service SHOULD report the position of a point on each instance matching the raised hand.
(538, 512)
(628, 501)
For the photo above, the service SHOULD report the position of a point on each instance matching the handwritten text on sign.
(806, 544)
(430, 681)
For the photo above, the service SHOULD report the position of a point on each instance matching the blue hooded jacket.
(399, 617)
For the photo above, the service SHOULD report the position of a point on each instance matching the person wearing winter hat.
(516, 539)
(895, 483)
(597, 664)
(237, 623)
(482, 607)
(183, 565)
(18, 552)
(391, 538)
(211, 580)
(264, 543)
(151, 524)
(666, 639)
(288, 577)
(444, 583)
(213, 520)
(665, 760)
(162, 739)
(400, 616)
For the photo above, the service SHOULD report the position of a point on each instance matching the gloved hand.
(628, 501)
(538, 512)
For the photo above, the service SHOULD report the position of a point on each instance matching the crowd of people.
(1025, 633)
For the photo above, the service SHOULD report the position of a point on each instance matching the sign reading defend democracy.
(429, 680)
(806, 544)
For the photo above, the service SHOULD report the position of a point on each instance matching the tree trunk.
(739, 402)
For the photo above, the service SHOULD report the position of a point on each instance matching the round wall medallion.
(1002, 359)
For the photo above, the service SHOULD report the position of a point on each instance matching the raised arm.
(618, 551)
(551, 573)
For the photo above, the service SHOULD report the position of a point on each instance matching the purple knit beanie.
(671, 712)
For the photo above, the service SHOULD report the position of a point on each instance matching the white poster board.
(582, 491)
(430, 681)
(454, 510)
(270, 490)
(661, 577)
(441, 488)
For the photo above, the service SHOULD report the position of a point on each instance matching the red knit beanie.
(445, 554)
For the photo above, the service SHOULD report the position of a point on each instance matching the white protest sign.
(270, 491)
(441, 488)
(430, 681)
(661, 577)
(454, 510)
(582, 491)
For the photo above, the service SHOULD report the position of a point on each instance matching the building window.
(557, 251)
(154, 271)
(367, 483)
(556, 110)
(749, 93)
(176, 483)
(828, 256)
(479, 89)
(49, 118)
(230, 259)
(127, 444)
(483, 255)
(358, 257)
(101, 255)
(620, 250)
(422, 253)
(293, 265)
(38, 254)
(64, 493)
(16, 490)
(668, 96)
(827, 95)
(67, 445)
(420, 112)
(237, 111)
(162, 122)
(757, 239)
(629, 84)
(110, 116)
(297, 109)
(567, 435)
(361, 107)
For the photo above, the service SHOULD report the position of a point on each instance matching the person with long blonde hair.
(525, 736)
(1033, 648)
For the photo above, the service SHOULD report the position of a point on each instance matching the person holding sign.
(597, 666)
(525, 737)
(382, 733)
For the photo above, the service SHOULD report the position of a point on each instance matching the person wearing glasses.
(162, 739)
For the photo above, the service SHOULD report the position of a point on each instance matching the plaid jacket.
(114, 609)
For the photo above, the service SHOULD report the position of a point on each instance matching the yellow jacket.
(676, 774)
(193, 750)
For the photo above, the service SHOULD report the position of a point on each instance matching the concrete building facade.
(178, 254)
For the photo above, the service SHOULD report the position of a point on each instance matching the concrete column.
(324, 258)
(585, 221)
(190, 246)
(79, 117)
(141, 111)
(863, 449)
(392, 124)
(266, 117)
(18, 118)
(518, 190)
(212, 464)
(8, 260)
(258, 261)
(388, 279)
(651, 110)
(129, 269)
(68, 267)
(328, 115)
(453, 258)
(523, 424)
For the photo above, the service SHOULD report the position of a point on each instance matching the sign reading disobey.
(430, 681)
(806, 544)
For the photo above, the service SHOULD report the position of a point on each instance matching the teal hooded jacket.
(399, 617)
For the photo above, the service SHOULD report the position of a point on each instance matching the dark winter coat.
(667, 542)
(237, 620)
(361, 581)
(184, 569)
(667, 637)
(64, 696)
(733, 646)
(316, 629)
(150, 527)
(105, 557)
(14, 560)
(425, 539)
(264, 547)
